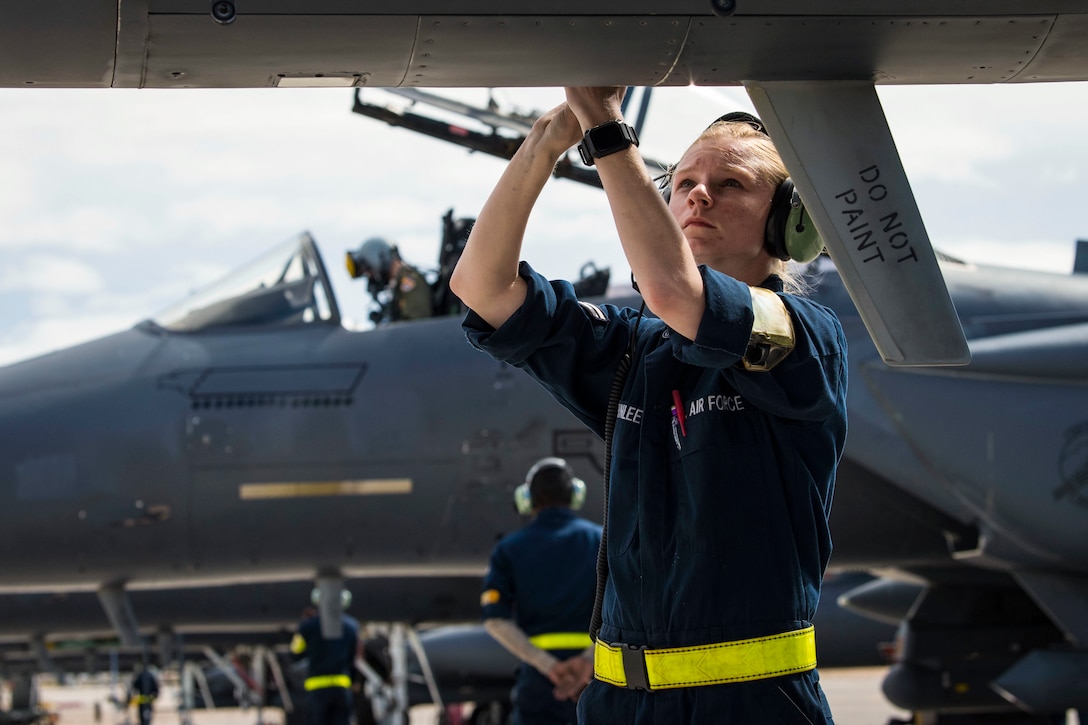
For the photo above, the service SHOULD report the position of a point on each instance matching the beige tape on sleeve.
(772, 331)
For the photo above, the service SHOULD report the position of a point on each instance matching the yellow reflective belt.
(143, 699)
(561, 640)
(322, 681)
(711, 664)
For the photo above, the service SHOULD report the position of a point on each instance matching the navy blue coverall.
(330, 664)
(143, 691)
(543, 576)
(715, 535)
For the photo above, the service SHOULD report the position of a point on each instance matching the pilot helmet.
(373, 259)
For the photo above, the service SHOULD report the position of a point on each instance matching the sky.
(117, 203)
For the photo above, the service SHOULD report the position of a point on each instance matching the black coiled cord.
(618, 381)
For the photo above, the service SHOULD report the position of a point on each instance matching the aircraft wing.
(500, 43)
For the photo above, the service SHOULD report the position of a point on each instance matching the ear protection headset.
(345, 598)
(523, 497)
(790, 232)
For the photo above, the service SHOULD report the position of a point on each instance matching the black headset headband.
(742, 117)
(731, 117)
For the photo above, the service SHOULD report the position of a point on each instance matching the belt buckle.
(634, 666)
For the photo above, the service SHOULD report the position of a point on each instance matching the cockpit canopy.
(286, 286)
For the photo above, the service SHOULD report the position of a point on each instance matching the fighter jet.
(244, 435)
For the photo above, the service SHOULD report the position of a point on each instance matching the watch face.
(608, 137)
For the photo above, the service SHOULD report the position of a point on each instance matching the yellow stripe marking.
(320, 682)
(561, 640)
(370, 487)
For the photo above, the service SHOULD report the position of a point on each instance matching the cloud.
(988, 137)
(1046, 255)
(88, 229)
(945, 145)
(25, 341)
(50, 274)
(118, 203)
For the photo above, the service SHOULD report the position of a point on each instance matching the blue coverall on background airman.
(143, 691)
(717, 515)
(543, 577)
(329, 699)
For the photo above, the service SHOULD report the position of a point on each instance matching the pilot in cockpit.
(399, 289)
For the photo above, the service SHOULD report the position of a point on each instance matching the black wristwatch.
(608, 138)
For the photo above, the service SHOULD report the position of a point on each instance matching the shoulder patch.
(593, 311)
(407, 284)
(491, 596)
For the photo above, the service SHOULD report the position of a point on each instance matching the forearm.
(511, 636)
(653, 243)
(486, 276)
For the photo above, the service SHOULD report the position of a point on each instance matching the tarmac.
(854, 694)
